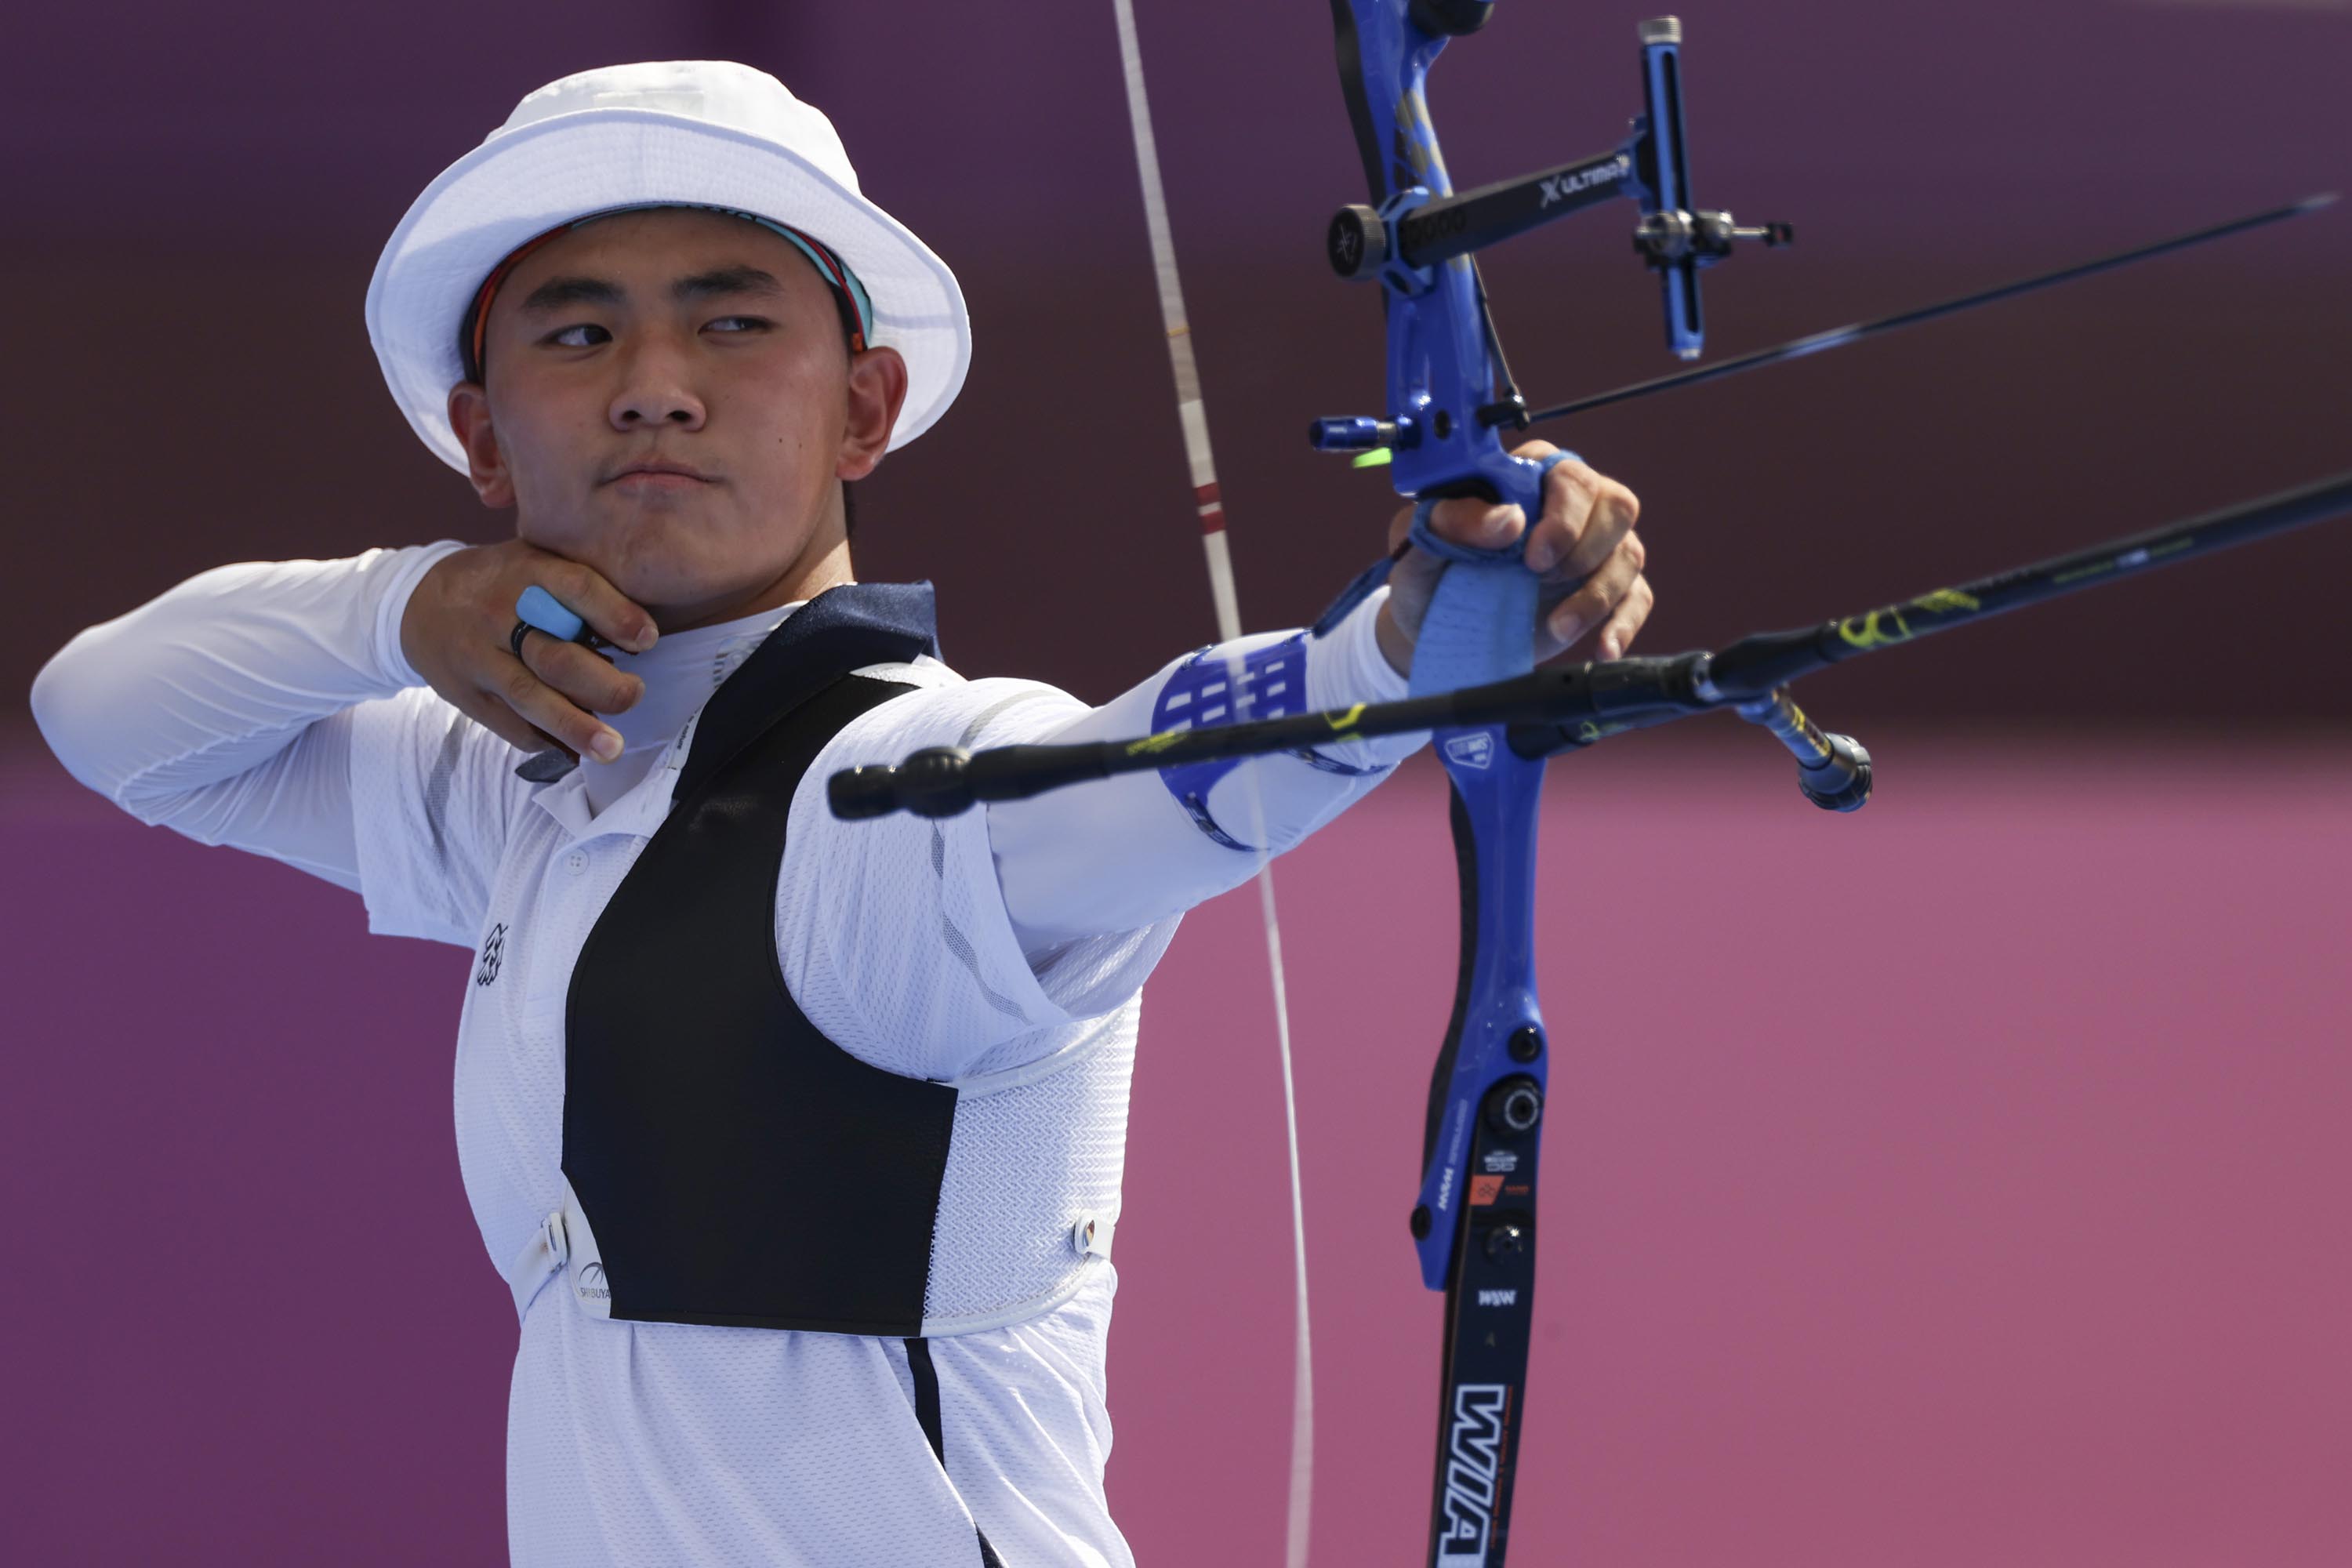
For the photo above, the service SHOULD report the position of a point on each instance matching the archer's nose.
(654, 393)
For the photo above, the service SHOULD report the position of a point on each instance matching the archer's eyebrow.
(736, 280)
(558, 292)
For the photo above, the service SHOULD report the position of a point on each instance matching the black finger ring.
(514, 638)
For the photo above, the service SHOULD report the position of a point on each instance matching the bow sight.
(1422, 225)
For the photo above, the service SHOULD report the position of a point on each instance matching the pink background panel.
(1962, 1182)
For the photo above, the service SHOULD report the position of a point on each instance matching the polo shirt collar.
(866, 623)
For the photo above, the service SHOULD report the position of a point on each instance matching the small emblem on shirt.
(592, 1285)
(494, 947)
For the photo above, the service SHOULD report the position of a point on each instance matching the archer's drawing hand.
(455, 630)
(1584, 547)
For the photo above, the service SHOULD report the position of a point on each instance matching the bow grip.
(1480, 623)
(1480, 627)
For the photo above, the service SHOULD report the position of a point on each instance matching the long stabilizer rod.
(1569, 705)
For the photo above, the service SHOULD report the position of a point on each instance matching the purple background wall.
(205, 191)
(2038, 1259)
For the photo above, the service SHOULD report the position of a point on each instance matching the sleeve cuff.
(401, 569)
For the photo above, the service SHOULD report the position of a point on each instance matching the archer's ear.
(469, 415)
(877, 389)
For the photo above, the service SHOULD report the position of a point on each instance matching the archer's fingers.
(1602, 594)
(550, 710)
(610, 613)
(485, 708)
(1585, 516)
(1469, 520)
(585, 677)
(1569, 490)
(1617, 632)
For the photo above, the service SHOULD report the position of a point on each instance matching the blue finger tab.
(541, 609)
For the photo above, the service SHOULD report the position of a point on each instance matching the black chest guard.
(736, 1166)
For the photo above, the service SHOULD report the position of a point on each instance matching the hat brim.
(526, 182)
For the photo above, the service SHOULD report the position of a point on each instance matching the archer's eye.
(566, 338)
(735, 325)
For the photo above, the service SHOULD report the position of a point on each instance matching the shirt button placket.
(576, 862)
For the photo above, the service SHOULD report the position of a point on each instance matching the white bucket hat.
(702, 132)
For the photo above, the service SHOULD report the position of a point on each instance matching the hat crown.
(713, 92)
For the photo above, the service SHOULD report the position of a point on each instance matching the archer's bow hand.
(1584, 547)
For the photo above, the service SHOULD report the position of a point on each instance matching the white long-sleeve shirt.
(267, 706)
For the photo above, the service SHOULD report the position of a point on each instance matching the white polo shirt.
(633, 1443)
(267, 706)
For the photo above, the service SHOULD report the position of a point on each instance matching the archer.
(798, 1140)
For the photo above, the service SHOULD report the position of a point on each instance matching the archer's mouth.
(647, 480)
(659, 472)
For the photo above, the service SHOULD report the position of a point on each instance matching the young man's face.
(694, 340)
